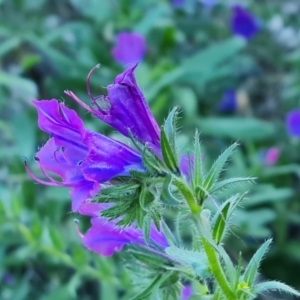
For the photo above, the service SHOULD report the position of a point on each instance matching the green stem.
(217, 270)
(188, 195)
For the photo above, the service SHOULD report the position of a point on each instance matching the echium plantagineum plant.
(128, 190)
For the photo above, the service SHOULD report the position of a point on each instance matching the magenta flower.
(130, 48)
(126, 108)
(272, 156)
(293, 123)
(81, 158)
(243, 23)
(105, 237)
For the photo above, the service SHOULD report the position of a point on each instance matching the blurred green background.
(193, 58)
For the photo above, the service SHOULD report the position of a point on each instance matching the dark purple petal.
(228, 102)
(83, 192)
(64, 125)
(158, 237)
(127, 110)
(185, 163)
(293, 123)
(130, 48)
(186, 292)
(105, 237)
(108, 158)
(243, 23)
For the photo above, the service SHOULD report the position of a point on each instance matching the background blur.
(229, 85)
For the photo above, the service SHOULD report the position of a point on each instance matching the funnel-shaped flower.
(105, 237)
(130, 48)
(127, 110)
(81, 158)
(243, 23)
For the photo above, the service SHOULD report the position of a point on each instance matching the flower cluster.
(88, 162)
(127, 191)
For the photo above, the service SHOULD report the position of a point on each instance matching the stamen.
(52, 181)
(74, 97)
(88, 88)
(32, 176)
(77, 229)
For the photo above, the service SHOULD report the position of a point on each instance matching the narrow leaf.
(218, 166)
(169, 156)
(198, 171)
(166, 194)
(275, 286)
(220, 225)
(170, 127)
(253, 266)
(148, 290)
(224, 183)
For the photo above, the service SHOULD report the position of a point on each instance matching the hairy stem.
(216, 269)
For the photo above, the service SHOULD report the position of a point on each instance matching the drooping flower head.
(130, 48)
(243, 23)
(293, 123)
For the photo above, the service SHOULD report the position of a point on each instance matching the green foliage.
(47, 47)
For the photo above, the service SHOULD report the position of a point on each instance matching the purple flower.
(126, 108)
(130, 48)
(293, 123)
(272, 156)
(105, 237)
(208, 3)
(81, 158)
(228, 102)
(177, 3)
(243, 23)
(186, 292)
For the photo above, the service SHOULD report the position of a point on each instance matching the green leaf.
(152, 162)
(220, 225)
(253, 266)
(168, 153)
(203, 62)
(275, 286)
(218, 167)
(236, 128)
(24, 89)
(154, 285)
(9, 45)
(198, 170)
(166, 195)
(170, 127)
(169, 235)
(230, 181)
(154, 16)
(195, 260)
(146, 228)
